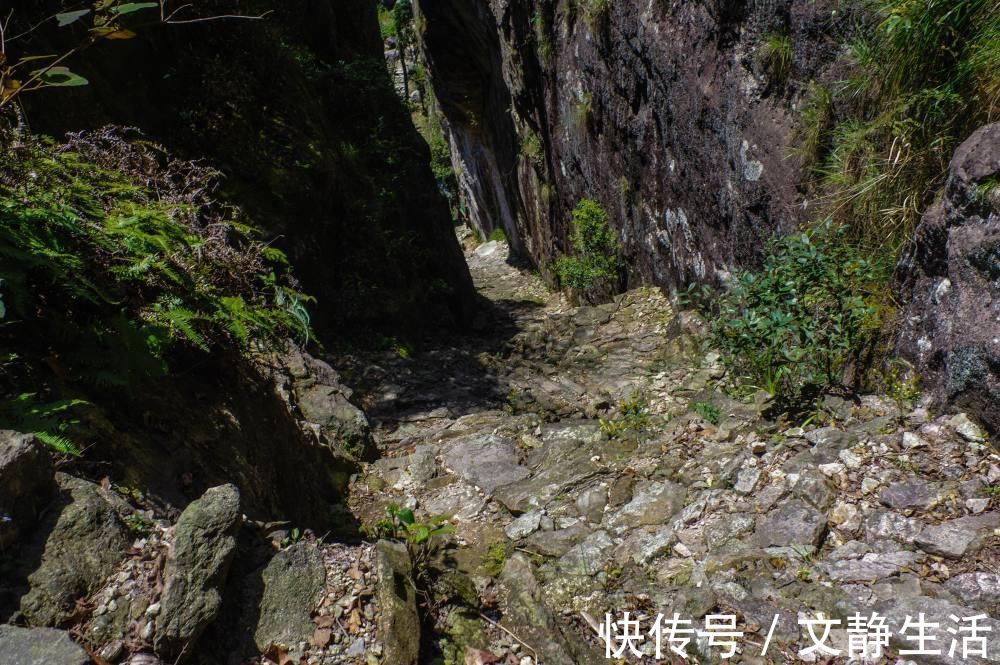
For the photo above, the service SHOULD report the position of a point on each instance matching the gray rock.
(981, 590)
(967, 429)
(587, 557)
(913, 493)
(952, 287)
(897, 609)
(486, 461)
(85, 545)
(328, 406)
(645, 544)
(39, 646)
(882, 525)
(831, 439)
(561, 465)
(27, 482)
(524, 525)
(726, 529)
(197, 568)
(746, 480)
(422, 465)
(557, 543)
(871, 567)
(396, 598)
(294, 581)
(526, 615)
(591, 503)
(815, 489)
(955, 538)
(852, 549)
(792, 523)
(652, 503)
(357, 648)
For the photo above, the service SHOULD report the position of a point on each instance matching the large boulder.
(27, 481)
(293, 581)
(84, 545)
(196, 569)
(39, 646)
(399, 623)
(951, 327)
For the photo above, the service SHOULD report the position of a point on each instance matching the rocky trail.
(590, 461)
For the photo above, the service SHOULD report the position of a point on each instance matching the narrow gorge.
(521, 332)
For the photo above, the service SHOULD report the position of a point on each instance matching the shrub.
(795, 324)
(113, 255)
(596, 263)
(633, 416)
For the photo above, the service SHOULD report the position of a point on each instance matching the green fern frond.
(59, 444)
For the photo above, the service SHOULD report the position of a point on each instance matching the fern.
(59, 444)
(47, 421)
(180, 321)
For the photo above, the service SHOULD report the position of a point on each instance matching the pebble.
(911, 440)
(869, 485)
(967, 429)
(977, 506)
(357, 648)
(850, 459)
(832, 469)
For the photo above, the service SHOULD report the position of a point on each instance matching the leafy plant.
(104, 20)
(776, 55)
(901, 384)
(708, 411)
(420, 537)
(794, 324)
(48, 421)
(115, 258)
(596, 263)
(633, 416)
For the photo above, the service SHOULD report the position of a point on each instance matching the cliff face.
(662, 111)
(300, 114)
(951, 326)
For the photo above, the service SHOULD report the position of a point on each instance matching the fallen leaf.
(321, 637)
(324, 622)
(354, 622)
(279, 655)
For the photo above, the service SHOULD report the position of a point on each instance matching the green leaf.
(419, 533)
(69, 18)
(406, 516)
(61, 77)
(132, 7)
(59, 444)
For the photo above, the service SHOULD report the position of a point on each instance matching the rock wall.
(660, 110)
(951, 325)
(299, 112)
